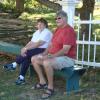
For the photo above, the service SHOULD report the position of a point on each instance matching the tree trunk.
(20, 6)
(87, 8)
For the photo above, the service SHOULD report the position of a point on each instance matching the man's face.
(60, 21)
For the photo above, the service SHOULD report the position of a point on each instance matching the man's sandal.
(48, 93)
(39, 86)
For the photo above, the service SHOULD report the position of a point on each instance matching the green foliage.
(7, 5)
(9, 2)
(32, 6)
(30, 3)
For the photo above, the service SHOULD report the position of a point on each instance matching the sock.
(14, 64)
(21, 77)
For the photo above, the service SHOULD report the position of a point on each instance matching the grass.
(33, 17)
(9, 91)
(50, 16)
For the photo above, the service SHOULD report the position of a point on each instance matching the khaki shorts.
(62, 62)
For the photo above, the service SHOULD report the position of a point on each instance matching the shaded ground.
(9, 91)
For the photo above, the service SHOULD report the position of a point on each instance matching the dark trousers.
(24, 62)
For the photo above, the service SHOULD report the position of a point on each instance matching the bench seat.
(71, 75)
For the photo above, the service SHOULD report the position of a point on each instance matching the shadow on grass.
(9, 91)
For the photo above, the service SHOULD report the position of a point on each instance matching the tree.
(20, 6)
(50, 4)
(85, 10)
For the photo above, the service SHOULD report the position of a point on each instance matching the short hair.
(61, 13)
(42, 20)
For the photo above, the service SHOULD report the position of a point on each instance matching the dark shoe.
(48, 93)
(9, 67)
(39, 86)
(20, 81)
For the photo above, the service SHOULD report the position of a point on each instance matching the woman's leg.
(27, 60)
(36, 62)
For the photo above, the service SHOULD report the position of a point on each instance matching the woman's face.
(40, 26)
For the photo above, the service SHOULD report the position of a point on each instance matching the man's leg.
(49, 72)
(56, 63)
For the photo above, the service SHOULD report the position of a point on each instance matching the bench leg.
(69, 86)
(31, 71)
(76, 82)
(72, 83)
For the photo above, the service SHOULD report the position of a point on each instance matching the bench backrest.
(88, 48)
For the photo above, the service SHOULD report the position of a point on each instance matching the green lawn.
(90, 83)
(50, 16)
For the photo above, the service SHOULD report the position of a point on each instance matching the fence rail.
(88, 22)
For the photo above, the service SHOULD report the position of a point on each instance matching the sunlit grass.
(31, 18)
(96, 14)
(50, 17)
(9, 91)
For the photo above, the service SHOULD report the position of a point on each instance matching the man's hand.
(43, 57)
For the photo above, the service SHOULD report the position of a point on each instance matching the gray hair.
(61, 13)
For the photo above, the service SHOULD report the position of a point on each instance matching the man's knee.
(36, 60)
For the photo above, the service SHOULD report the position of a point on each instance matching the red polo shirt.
(64, 36)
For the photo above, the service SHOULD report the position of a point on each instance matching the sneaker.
(9, 67)
(20, 81)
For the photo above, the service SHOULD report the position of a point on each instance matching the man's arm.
(64, 50)
(47, 49)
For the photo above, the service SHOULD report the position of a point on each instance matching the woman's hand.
(23, 51)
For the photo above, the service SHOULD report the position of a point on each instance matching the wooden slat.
(15, 33)
(12, 21)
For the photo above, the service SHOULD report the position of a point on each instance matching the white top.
(45, 35)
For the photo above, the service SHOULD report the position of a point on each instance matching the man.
(38, 44)
(60, 54)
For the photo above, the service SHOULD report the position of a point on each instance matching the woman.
(38, 44)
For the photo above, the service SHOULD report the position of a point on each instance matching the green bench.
(10, 48)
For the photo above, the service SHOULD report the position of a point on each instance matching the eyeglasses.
(57, 18)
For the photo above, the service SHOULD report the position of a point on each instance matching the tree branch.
(50, 4)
